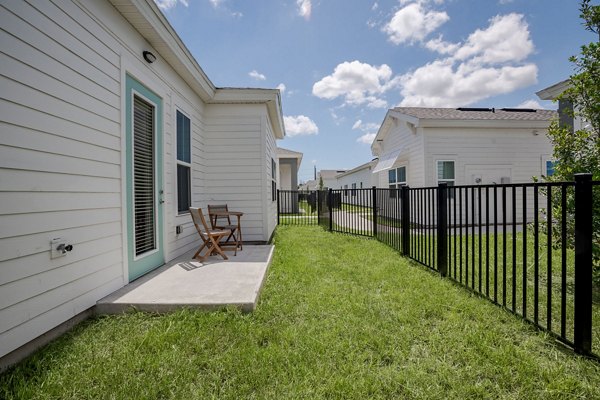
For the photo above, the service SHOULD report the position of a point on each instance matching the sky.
(341, 64)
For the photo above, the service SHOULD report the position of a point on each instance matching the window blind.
(143, 176)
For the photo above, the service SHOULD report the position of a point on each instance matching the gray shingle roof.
(496, 114)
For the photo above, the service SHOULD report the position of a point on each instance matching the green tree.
(578, 150)
(320, 183)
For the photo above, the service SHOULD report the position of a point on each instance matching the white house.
(329, 177)
(289, 164)
(360, 177)
(110, 130)
(425, 146)
(565, 108)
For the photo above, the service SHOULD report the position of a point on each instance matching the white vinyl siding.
(238, 150)
(270, 150)
(61, 159)
(412, 154)
(518, 148)
(60, 167)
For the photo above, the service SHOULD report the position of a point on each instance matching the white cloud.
(358, 83)
(254, 74)
(506, 39)
(439, 84)
(505, 1)
(168, 4)
(216, 3)
(281, 88)
(369, 129)
(365, 127)
(375, 6)
(337, 119)
(299, 125)
(304, 8)
(440, 46)
(490, 62)
(413, 23)
(530, 104)
(367, 138)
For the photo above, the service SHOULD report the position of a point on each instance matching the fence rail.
(528, 248)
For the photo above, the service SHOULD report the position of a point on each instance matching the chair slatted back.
(216, 220)
(199, 221)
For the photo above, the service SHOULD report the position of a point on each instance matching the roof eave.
(150, 22)
(552, 92)
(483, 123)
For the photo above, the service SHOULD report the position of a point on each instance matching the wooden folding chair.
(222, 222)
(210, 237)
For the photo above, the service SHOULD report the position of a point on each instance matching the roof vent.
(518, 109)
(475, 109)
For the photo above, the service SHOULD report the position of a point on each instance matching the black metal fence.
(526, 247)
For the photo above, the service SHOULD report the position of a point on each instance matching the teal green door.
(143, 115)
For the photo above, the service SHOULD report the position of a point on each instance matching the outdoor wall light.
(149, 57)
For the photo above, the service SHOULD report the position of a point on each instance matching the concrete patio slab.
(188, 283)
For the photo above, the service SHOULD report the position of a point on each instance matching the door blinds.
(143, 176)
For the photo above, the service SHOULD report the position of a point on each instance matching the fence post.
(583, 263)
(442, 228)
(278, 208)
(330, 206)
(374, 189)
(405, 193)
(319, 207)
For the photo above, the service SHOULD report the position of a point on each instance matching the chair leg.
(198, 252)
(215, 247)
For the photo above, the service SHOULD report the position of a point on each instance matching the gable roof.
(287, 153)
(359, 168)
(330, 173)
(463, 117)
(150, 22)
(471, 114)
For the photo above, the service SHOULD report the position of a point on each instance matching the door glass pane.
(143, 176)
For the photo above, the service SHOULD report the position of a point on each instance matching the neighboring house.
(289, 163)
(329, 178)
(361, 177)
(422, 147)
(313, 184)
(425, 146)
(565, 107)
(110, 131)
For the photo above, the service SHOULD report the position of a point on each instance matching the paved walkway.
(187, 283)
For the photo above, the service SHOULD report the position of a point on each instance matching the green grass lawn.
(339, 317)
